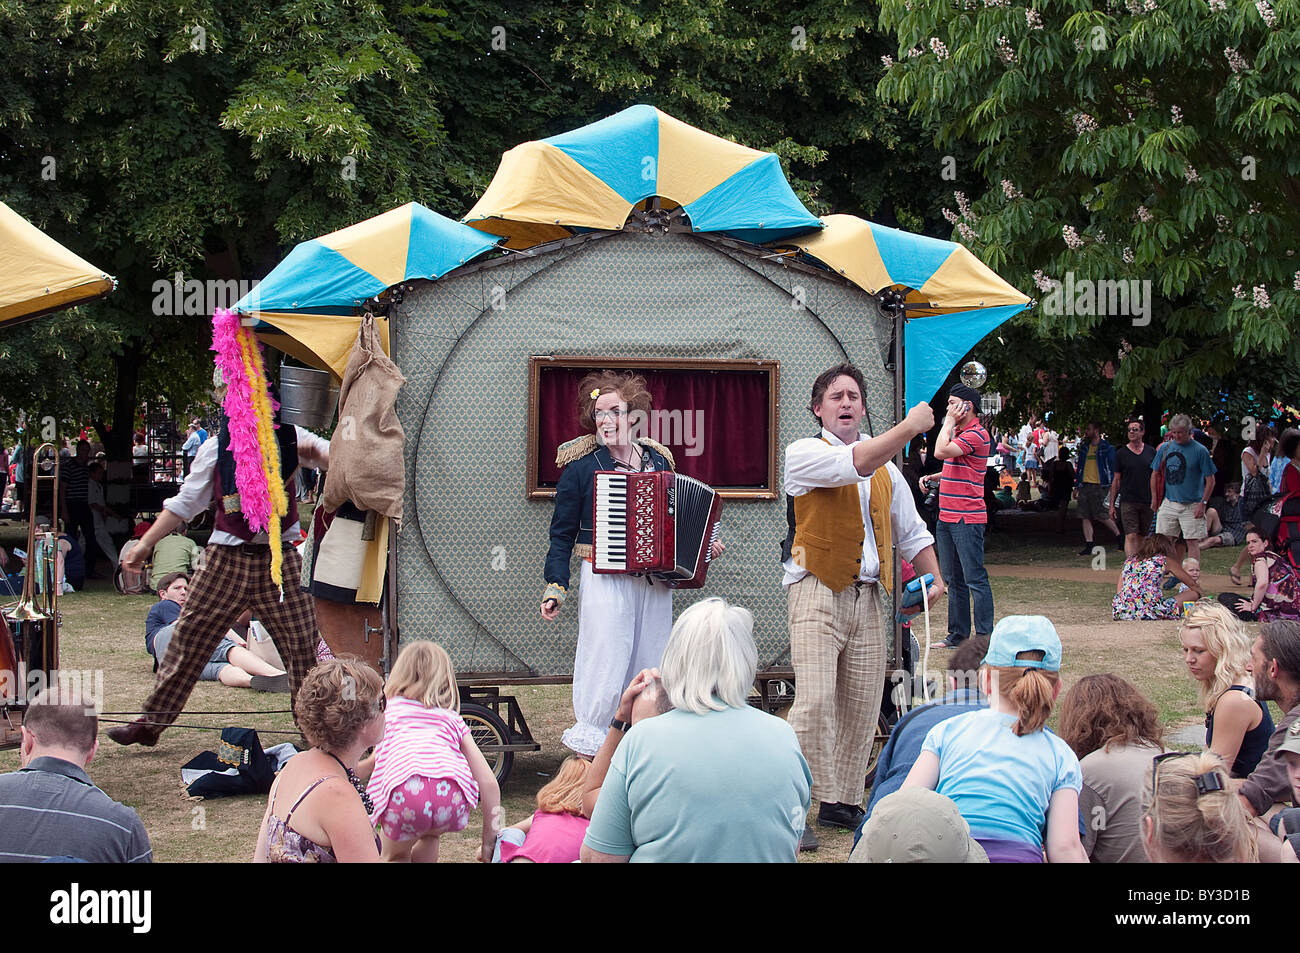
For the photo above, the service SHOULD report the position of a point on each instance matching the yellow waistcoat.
(829, 531)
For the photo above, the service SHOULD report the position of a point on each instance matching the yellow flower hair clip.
(595, 393)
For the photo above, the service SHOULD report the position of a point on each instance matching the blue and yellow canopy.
(308, 306)
(593, 177)
(953, 299)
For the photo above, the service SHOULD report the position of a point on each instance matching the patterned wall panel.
(471, 551)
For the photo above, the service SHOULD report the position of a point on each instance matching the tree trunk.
(1151, 408)
(118, 440)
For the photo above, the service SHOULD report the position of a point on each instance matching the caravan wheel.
(490, 734)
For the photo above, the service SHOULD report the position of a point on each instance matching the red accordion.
(654, 522)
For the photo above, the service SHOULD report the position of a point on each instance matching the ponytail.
(1032, 691)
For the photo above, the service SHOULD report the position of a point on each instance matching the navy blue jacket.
(571, 522)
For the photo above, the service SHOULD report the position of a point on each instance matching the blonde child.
(428, 773)
(553, 834)
(1016, 784)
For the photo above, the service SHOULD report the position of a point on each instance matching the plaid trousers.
(234, 578)
(837, 647)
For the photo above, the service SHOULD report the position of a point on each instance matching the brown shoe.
(132, 733)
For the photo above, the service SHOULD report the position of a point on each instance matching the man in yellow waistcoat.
(848, 507)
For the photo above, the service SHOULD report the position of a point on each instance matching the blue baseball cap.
(1024, 633)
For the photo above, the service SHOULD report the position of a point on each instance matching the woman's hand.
(550, 610)
(717, 549)
(632, 692)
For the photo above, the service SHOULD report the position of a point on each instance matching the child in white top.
(429, 773)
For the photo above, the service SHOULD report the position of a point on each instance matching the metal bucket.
(308, 397)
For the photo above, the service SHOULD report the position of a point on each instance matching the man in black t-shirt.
(1133, 484)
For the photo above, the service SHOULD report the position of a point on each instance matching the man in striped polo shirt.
(963, 446)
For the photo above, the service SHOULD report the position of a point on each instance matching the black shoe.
(269, 683)
(809, 840)
(1087, 549)
(846, 816)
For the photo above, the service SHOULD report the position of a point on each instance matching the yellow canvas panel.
(846, 245)
(321, 340)
(963, 281)
(537, 182)
(378, 245)
(521, 235)
(374, 564)
(282, 342)
(692, 161)
(38, 275)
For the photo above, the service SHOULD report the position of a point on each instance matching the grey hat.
(1291, 740)
(917, 826)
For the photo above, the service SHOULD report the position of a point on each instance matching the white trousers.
(623, 626)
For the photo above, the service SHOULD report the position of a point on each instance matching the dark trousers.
(1238, 605)
(80, 517)
(961, 560)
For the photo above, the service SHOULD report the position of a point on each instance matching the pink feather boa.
(250, 476)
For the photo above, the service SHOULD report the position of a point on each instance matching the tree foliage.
(796, 81)
(1136, 140)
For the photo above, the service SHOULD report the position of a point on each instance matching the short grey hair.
(710, 660)
(1180, 422)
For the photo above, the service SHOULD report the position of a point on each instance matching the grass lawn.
(103, 633)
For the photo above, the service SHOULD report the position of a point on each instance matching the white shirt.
(195, 494)
(1052, 449)
(810, 463)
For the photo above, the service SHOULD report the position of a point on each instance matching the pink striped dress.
(423, 741)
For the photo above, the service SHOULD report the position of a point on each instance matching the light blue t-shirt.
(1001, 783)
(731, 786)
(1186, 467)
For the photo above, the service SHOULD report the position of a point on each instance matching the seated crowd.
(999, 786)
(690, 771)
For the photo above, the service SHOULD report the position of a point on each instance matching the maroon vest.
(229, 512)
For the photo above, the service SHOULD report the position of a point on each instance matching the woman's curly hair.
(336, 700)
(631, 387)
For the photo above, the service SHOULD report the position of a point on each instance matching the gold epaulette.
(574, 449)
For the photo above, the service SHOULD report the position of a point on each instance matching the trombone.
(29, 640)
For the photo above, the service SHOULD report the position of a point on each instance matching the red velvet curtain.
(714, 421)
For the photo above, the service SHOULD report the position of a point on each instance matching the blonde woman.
(1216, 650)
(1192, 815)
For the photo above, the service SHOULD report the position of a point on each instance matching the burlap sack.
(366, 463)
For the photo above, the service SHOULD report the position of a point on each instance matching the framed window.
(719, 418)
